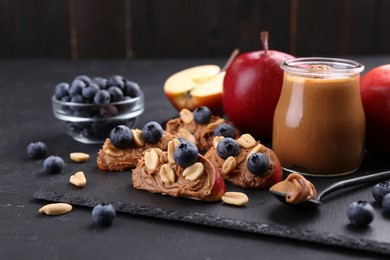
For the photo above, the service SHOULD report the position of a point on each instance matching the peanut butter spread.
(297, 188)
(115, 159)
(152, 181)
(240, 175)
(201, 135)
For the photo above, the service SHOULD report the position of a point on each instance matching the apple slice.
(195, 87)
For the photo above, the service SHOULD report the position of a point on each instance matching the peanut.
(79, 157)
(55, 209)
(235, 198)
(167, 174)
(193, 172)
(184, 133)
(229, 165)
(186, 116)
(246, 141)
(258, 148)
(216, 140)
(151, 160)
(213, 125)
(137, 134)
(78, 179)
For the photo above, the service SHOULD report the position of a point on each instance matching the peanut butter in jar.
(319, 122)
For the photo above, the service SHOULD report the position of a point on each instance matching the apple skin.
(375, 93)
(218, 189)
(251, 90)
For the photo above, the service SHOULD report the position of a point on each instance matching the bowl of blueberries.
(90, 107)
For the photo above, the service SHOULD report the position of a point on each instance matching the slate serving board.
(263, 214)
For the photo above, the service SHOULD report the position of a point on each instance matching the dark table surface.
(25, 112)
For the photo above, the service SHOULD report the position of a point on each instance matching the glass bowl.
(92, 123)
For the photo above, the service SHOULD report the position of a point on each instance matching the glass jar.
(319, 122)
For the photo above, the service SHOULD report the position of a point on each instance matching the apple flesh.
(195, 87)
(251, 90)
(375, 93)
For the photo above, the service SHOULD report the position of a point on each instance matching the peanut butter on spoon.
(296, 188)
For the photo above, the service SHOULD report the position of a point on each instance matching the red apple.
(251, 89)
(375, 93)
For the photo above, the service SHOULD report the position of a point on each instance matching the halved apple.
(195, 87)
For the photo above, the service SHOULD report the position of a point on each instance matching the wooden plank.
(99, 28)
(42, 27)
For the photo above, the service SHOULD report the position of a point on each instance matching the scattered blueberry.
(131, 89)
(37, 150)
(102, 97)
(103, 214)
(101, 82)
(225, 130)
(76, 88)
(202, 115)
(116, 80)
(53, 164)
(90, 91)
(185, 154)
(152, 132)
(121, 137)
(386, 203)
(360, 213)
(258, 163)
(61, 90)
(83, 78)
(380, 190)
(116, 93)
(227, 147)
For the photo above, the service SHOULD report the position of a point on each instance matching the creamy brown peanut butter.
(296, 188)
(115, 159)
(181, 186)
(203, 134)
(240, 175)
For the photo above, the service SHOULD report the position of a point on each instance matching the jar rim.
(338, 66)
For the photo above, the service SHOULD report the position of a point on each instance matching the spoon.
(337, 186)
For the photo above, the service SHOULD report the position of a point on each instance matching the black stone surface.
(264, 229)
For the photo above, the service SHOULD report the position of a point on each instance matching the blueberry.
(37, 150)
(102, 97)
(103, 214)
(90, 91)
(257, 163)
(225, 130)
(185, 154)
(360, 213)
(380, 190)
(116, 80)
(77, 99)
(108, 111)
(152, 132)
(202, 115)
(66, 99)
(227, 147)
(76, 88)
(53, 164)
(101, 82)
(121, 136)
(386, 203)
(115, 93)
(61, 90)
(83, 78)
(131, 89)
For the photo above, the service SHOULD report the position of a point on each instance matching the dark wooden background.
(76, 29)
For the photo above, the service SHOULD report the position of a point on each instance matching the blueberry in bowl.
(90, 108)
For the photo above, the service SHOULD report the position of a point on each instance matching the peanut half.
(167, 174)
(78, 179)
(171, 149)
(55, 209)
(184, 133)
(216, 140)
(229, 165)
(213, 125)
(235, 198)
(79, 157)
(186, 116)
(151, 160)
(246, 141)
(257, 149)
(193, 172)
(137, 134)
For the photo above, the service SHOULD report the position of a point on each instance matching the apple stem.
(264, 40)
(230, 60)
